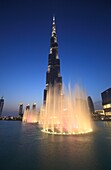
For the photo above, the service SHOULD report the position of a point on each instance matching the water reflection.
(35, 150)
(107, 123)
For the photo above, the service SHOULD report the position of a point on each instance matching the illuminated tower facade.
(53, 76)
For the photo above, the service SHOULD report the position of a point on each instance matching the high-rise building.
(1, 105)
(106, 101)
(53, 73)
(21, 109)
(34, 106)
(91, 105)
(27, 107)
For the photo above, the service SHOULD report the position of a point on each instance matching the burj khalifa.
(53, 76)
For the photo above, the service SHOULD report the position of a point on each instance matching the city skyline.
(84, 40)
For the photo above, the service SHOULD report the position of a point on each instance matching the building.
(1, 105)
(34, 106)
(91, 105)
(21, 109)
(27, 107)
(53, 76)
(106, 102)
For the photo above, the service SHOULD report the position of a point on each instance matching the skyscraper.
(91, 105)
(21, 109)
(34, 106)
(53, 76)
(27, 107)
(1, 105)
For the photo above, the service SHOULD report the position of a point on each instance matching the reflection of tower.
(53, 73)
(21, 109)
(1, 105)
(91, 105)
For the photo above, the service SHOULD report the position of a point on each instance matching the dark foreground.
(25, 147)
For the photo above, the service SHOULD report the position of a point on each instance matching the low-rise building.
(106, 102)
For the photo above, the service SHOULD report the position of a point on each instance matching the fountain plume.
(30, 116)
(65, 114)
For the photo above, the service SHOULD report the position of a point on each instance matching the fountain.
(65, 114)
(30, 116)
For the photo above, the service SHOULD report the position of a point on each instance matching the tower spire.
(53, 19)
(54, 29)
(53, 39)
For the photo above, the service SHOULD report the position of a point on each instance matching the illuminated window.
(50, 50)
(107, 106)
(48, 69)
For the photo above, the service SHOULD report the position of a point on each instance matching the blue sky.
(84, 39)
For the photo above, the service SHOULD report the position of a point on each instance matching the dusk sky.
(84, 39)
